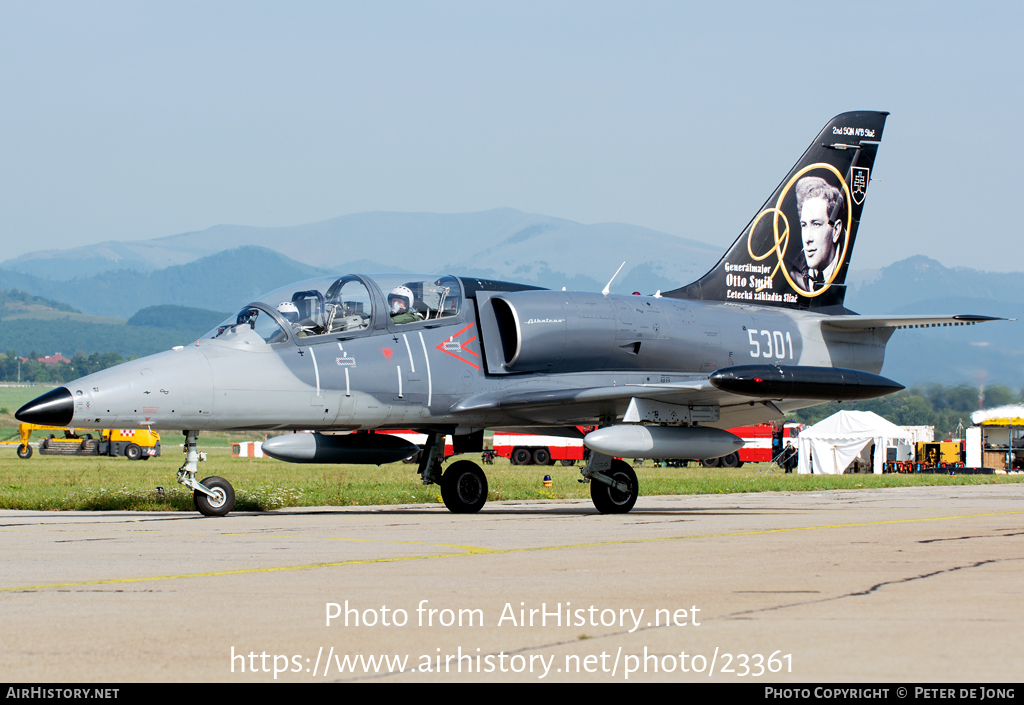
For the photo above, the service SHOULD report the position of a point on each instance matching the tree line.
(16, 296)
(31, 370)
(942, 406)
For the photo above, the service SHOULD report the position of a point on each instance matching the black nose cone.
(55, 408)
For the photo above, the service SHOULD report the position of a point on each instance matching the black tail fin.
(796, 250)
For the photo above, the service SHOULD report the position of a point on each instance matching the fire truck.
(526, 449)
(762, 443)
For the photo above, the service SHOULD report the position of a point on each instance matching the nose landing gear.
(214, 496)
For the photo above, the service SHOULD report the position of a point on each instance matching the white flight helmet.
(400, 293)
(288, 311)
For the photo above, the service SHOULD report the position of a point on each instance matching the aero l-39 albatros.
(762, 334)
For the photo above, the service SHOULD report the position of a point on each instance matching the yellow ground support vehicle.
(134, 444)
(934, 454)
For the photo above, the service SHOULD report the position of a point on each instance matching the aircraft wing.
(568, 406)
(512, 401)
(904, 321)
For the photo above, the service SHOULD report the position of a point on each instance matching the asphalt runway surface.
(896, 585)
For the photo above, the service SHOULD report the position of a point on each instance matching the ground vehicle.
(761, 443)
(939, 453)
(528, 449)
(134, 444)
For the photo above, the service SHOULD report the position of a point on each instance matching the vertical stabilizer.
(796, 251)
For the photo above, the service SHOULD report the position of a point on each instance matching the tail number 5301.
(773, 341)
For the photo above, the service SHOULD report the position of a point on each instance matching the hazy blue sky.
(127, 120)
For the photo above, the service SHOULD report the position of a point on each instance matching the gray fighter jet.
(764, 333)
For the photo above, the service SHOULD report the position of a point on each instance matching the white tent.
(832, 444)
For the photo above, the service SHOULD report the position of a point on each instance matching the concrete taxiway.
(900, 585)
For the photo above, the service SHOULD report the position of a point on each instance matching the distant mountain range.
(222, 268)
(221, 282)
(503, 243)
(987, 353)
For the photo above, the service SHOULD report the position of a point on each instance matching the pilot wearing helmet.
(288, 311)
(400, 305)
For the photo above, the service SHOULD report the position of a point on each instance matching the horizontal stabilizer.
(907, 321)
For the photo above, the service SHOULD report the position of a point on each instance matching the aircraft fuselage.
(391, 375)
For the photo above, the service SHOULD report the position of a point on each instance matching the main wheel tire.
(464, 487)
(541, 456)
(609, 500)
(568, 463)
(521, 456)
(132, 452)
(221, 503)
(24, 451)
(730, 461)
(710, 463)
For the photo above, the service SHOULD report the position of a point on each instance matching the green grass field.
(12, 398)
(84, 483)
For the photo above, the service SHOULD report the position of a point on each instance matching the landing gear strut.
(214, 496)
(463, 484)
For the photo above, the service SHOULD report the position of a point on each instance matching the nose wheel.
(219, 501)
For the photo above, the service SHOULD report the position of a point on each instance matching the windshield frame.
(263, 308)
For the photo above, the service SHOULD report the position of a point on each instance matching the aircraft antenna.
(607, 287)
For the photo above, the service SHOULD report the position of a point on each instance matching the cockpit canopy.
(340, 306)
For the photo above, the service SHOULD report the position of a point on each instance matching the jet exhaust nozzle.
(352, 449)
(802, 382)
(55, 408)
(635, 441)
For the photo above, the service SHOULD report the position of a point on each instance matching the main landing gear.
(463, 484)
(613, 484)
(464, 487)
(214, 496)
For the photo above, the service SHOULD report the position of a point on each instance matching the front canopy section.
(253, 326)
(323, 306)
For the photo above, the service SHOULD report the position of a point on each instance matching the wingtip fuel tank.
(800, 382)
